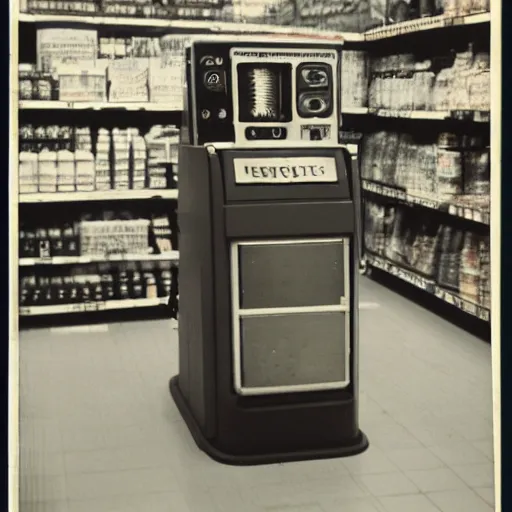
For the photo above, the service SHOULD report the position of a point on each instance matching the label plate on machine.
(285, 171)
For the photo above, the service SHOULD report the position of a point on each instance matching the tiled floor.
(100, 433)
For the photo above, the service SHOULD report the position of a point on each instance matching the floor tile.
(36, 462)
(476, 475)
(486, 447)
(459, 453)
(367, 504)
(374, 460)
(440, 479)
(150, 502)
(42, 488)
(487, 494)
(100, 485)
(411, 503)
(414, 458)
(44, 506)
(388, 484)
(459, 501)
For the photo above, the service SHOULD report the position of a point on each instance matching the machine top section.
(267, 93)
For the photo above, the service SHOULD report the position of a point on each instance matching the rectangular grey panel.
(294, 349)
(298, 219)
(291, 275)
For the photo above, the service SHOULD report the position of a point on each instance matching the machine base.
(359, 446)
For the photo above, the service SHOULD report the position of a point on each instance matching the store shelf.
(86, 105)
(99, 258)
(433, 115)
(398, 194)
(354, 110)
(193, 25)
(423, 24)
(110, 305)
(428, 286)
(107, 195)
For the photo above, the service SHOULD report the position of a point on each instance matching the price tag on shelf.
(90, 306)
(426, 202)
(394, 193)
(462, 115)
(25, 311)
(482, 116)
(468, 213)
(100, 306)
(477, 216)
(462, 304)
(403, 114)
(372, 187)
(75, 308)
(410, 277)
(484, 314)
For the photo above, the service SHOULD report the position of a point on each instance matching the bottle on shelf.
(470, 268)
(66, 178)
(47, 171)
(103, 148)
(85, 170)
(28, 172)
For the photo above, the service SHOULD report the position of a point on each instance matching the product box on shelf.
(84, 82)
(114, 236)
(128, 80)
(139, 8)
(56, 46)
(354, 71)
(452, 258)
(62, 6)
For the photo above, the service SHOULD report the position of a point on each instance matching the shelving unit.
(91, 307)
(185, 26)
(472, 210)
(400, 195)
(475, 116)
(369, 41)
(99, 258)
(429, 286)
(86, 105)
(427, 23)
(107, 195)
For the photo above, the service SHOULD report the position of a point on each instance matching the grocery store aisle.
(100, 432)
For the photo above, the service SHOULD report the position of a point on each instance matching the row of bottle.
(450, 166)
(121, 160)
(401, 83)
(457, 260)
(79, 289)
(70, 239)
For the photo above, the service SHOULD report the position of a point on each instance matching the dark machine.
(269, 216)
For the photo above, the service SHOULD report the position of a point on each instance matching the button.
(214, 80)
(205, 114)
(222, 113)
(207, 61)
(219, 61)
